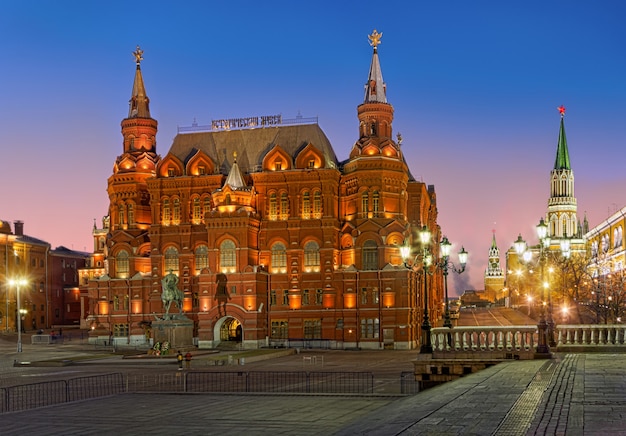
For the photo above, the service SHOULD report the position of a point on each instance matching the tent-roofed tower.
(562, 207)
(494, 276)
(129, 199)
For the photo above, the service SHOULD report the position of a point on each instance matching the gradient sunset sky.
(475, 86)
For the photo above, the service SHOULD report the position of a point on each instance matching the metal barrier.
(408, 384)
(31, 396)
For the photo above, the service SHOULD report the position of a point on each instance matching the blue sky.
(475, 87)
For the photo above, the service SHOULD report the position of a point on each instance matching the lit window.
(279, 258)
(284, 206)
(273, 207)
(122, 264)
(171, 260)
(311, 256)
(197, 211)
(228, 256)
(167, 212)
(176, 217)
(317, 204)
(306, 206)
(202, 258)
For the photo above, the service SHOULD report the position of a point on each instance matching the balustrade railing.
(592, 334)
(484, 338)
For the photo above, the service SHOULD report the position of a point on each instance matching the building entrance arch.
(228, 329)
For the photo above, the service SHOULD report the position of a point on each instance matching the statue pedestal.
(178, 331)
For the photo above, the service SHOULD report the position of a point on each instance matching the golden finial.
(375, 38)
(235, 155)
(138, 55)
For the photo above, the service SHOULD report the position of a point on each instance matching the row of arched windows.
(311, 205)
(365, 202)
(125, 214)
(171, 210)
(605, 243)
(228, 258)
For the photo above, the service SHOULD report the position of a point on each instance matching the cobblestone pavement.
(571, 394)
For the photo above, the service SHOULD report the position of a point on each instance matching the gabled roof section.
(562, 153)
(252, 145)
(375, 88)
(139, 101)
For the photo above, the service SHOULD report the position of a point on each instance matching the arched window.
(228, 257)
(605, 243)
(176, 217)
(202, 258)
(273, 207)
(279, 258)
(284, 206)
(197, 211)
(171, 260)
(317, 204)
(206, 207)
(131, 214)
(375, 203)
(121, 215)
(311, 256)
(167, 212)
(370, 255)
(364, 204)
(306, 205)
(594, 249)
(122, 264)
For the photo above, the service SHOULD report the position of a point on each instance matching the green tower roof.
(562, 154)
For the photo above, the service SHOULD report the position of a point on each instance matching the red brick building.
(274, 239)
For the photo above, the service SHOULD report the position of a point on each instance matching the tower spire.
(562, 153)
(375, 88)
(139, 101)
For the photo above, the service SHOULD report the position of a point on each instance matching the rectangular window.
(305, 297)
(318, 296)
(364, 296)
(233, 290)
(312, 328)
(286, 297)
(120, 330)
(369, 328)
(280, 329)
(375, 295)
(272, 297)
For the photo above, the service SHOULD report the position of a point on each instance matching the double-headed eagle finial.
(138, 53)
(375, 38)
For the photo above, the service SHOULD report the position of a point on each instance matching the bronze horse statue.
(171, 294)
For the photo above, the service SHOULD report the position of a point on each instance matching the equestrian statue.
(171, 294)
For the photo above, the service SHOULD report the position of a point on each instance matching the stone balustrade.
(484, 338)
(600, 335)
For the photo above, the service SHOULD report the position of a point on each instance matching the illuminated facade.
(273, 238)
(494, 276)
(51, 296)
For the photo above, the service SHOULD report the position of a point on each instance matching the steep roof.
(562, 153)
(251, 145)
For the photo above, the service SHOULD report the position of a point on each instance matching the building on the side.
(274, 239)
(494, 276)
(50, 294)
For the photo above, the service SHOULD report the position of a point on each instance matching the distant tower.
(561, 217)
(494, 277)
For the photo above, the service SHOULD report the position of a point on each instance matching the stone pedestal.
(178, 331)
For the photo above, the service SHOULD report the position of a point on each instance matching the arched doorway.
(230, 330)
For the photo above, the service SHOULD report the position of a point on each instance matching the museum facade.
(275, 241)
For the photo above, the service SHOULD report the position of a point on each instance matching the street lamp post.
(543, 346)
(544, 326)
(447, 265)
(18, 283)
(426, 260)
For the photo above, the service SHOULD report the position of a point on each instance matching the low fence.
(30, 396)
(591, 335)
(484, 338)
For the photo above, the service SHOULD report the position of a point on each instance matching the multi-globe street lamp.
(544, 327)
(447, 265)
(425, 258)
(18, 282)
(427, 261)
